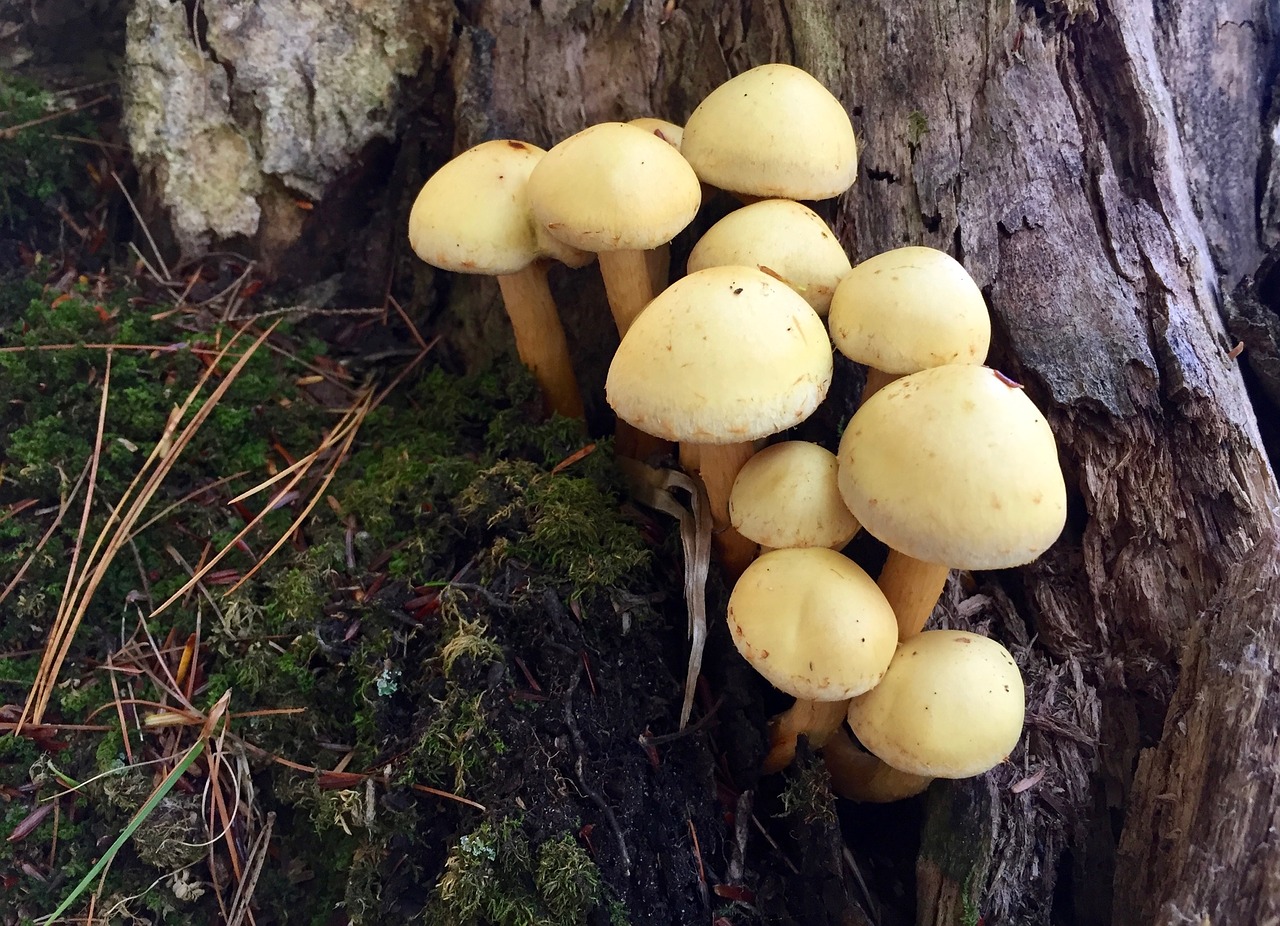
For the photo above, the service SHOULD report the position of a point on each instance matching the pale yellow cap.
(951, 705)
(955, 466)
(722, 356)
(773, 131)
(614, 187)
(812, 623)
(786, 496)
(473, 216)
(781, 237)
(910, 309)
(667, 131)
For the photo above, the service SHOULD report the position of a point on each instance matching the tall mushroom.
(722, 358)
(616, 190)
(951, 467)
(473, 216)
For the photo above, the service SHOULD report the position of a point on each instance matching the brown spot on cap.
(518, 145)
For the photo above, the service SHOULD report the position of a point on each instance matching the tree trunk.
(1104, 171)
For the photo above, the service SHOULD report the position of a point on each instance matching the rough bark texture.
(1102, 169)
(1200, 838)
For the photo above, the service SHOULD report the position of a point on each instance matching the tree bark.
(1103, 170)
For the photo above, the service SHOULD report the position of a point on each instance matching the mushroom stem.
(628, 282)
(540, 338)
(658, 260)
(860, 776)
(913, 588)
(876, 380)
(817, 720)
(717, 465)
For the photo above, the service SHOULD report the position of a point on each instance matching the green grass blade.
(143, 812)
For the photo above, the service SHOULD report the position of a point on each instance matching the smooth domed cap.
(614, 187)
(781, 237)
(721, 356)
(773, 131)
(786, 496)
(812, 623)
(910, 309)
(473, 216)
(955, 466)
(667, 131)
(951, 705)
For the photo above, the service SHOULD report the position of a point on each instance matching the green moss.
(17, 751)
(40, 161)
(451, 482)
(455, 743)
(566, 526)
(807, 796)
(493, 877)
(566, 879)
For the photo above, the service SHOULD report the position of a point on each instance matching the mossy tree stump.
(1102, 172)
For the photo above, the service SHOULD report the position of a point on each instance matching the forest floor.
(300, 626)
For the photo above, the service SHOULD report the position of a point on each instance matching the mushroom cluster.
(947, 462)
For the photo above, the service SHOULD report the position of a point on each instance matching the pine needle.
(122, 519)
(345, 431)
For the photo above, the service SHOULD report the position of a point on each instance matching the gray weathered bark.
(1104, 170)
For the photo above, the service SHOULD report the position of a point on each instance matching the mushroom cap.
(614, 187)
(787, 238)
(773, 131)
(722, 356)
(812, 623)
(954, 465)
(669, 131)
(473, 216)
(786, 496)
(951, 705)
(909, 309)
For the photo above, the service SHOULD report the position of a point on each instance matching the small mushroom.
(907, 310)
(472, 216)
(787, 496)
(951, 705)
(817, 627)
(785, 239)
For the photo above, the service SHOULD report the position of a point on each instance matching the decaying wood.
(1100, 168)
(1200, 839)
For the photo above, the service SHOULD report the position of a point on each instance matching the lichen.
(264, 96)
